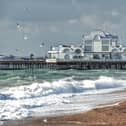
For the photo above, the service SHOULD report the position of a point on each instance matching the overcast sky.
(25, 24)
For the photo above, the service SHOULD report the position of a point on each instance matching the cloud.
(6, 25)
(72, 21)
(27, 27)
(90, 20)
(56, 20)
(115, 13)
(76, 5)
(53, 29)
(109, 26)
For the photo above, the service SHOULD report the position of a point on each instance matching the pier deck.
(80, 65)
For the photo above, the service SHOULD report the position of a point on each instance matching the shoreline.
(111, 115)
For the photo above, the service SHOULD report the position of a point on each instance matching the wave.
(66, 85)
(20, 101)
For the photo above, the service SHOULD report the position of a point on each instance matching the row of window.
(89, 42)
(89, 48)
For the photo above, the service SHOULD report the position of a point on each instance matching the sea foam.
(58, 96)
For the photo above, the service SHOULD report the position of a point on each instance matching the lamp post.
(41, 46)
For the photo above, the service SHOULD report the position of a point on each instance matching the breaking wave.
(26, 100)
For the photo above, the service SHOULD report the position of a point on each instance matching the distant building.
(123, 53)
(64, 52)
(98, 45)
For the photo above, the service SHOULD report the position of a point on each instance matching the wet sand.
(107, 116)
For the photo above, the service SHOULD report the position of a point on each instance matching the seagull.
(18, 25)
(42, 44)
(27, 9)
(25, 37)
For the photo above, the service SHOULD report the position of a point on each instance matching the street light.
(41, 46)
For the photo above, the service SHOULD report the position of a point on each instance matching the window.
(66, 57)
(49, 55)
(96, 56)
(77, 57)
(105, 48)
(88, 46)
(124, 52)
(105, 42)
(66, 51)
(114, 42)
(88, 49)
(88, 42)
(77, 51)
(105, 45)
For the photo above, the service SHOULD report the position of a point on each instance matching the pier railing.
(63, 64)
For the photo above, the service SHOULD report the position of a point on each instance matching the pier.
(98, 50)
(58, 65)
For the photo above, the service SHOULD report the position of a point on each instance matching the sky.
(25, 24)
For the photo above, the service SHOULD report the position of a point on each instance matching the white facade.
(99, 41)
(123, 53)
(63, 52)
(116, 53)
(97, 45)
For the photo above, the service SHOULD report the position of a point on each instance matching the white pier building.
(98, 45)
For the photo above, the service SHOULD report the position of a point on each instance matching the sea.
(44, 92)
